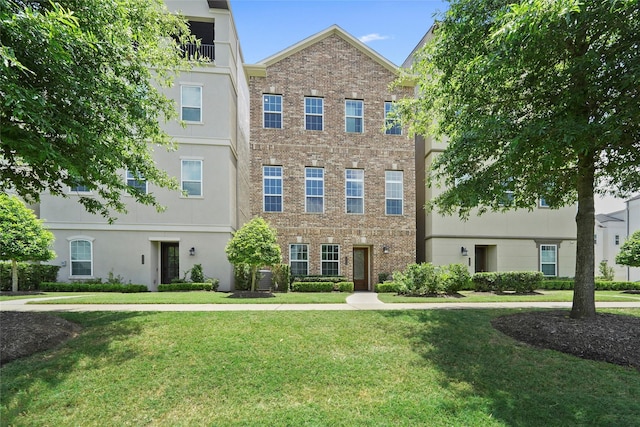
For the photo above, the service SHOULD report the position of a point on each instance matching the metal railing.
(204, 52)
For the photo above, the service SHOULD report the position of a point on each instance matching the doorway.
(481, 259)
(169, 261)
(361, 269)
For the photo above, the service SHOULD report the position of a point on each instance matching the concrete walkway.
(357, 301)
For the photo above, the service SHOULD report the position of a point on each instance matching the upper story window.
(204, 32)
(313, 113)
(354, 115)
(314, 190)
(391, 121)
(354, 190)
(272, 108)
(192, 177)
(137, 181)
(299, 259)
(543, 203)
(549, 260)
(81, 252)
(393, 192)
(272, 188)
(191, 103)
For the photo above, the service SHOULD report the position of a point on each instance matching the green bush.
(344, 287)
(242, 277)
(419, 279)
(281, 277)
(29, 275)
(312, 286)
(600, 285)
(383, 277)
(516, 281)
(91, 287)
(455, 278)
(182, 287)
(197, 276)
(331, 279)
(484, 282)
(388, 287)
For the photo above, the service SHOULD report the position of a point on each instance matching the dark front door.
(170, 261)
(481, 259)
(361, 269)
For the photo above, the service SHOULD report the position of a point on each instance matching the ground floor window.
(549, 260)
(81, 258)
(299, 259)
(330, 260)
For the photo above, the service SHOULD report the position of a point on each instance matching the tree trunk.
(14, 275)
(584, 305)
(253, 278)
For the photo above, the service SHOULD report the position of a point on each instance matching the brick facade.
(333, 67)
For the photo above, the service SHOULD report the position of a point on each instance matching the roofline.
(427, 36)
(218, 4)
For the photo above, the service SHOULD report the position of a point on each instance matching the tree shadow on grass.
(91, 348)
(514, 383)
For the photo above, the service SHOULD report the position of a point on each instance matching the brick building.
(336, 183)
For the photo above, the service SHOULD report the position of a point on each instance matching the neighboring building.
(336, 185)
(543, 239)
(211, 163)
(611, 231)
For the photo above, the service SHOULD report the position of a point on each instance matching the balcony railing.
(205, 52)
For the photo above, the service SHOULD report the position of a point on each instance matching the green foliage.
(91, 287)
(388, 287)
(606, 272)
(197, 275)
(29, 275)
(629, 254)
(313, 278)
(455, 277)
(242, 277)
(312, 286)
(281, 277)
(191, 286)
(255, 245)
(344, 287)
(383, 277)
(428, 279)
(502, 281)
(81, 98)
(601, 285)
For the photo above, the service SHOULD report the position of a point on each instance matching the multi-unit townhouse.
(211, 163)
(331, 171)
(543, 239)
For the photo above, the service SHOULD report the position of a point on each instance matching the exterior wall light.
(464, 251)
(385, 249)
(192, 251)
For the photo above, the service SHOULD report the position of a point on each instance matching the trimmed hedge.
(344, 287)
(387, 287)
(91, 287)
(601, 285)
(331, 279)
(181, 287)
(428, 279)
(29, 275)
(501, 281)
(312, 286)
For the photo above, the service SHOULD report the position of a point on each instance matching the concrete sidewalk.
(357, 301)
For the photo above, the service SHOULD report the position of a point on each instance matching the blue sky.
(390, 27)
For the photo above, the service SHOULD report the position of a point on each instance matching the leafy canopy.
(79, 96)
(630, 251)
(22, 235)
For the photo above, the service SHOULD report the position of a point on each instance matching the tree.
(22, 236)
(539, 99)
(629, 254)
(80, 99)
(255, 245)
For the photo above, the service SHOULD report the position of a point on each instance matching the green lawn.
(365, 368)
(552, 296)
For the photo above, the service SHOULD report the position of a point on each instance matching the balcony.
(204, 52)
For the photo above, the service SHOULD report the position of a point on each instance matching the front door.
(481, 259)
(169, 261)
(361, 269)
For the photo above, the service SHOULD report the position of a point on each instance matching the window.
(314, 190)
(192, 177)
(330, 260)
(79, 188)
(543, 203)
(313, 113)
(549, 260)
(137, 181)
(353, 115)
(391, 124)
(354, 190)
(191, 102)
(616, 239)
(272, 108)
(272, 188)
(393, 192)
(299, 260)
(81, 258)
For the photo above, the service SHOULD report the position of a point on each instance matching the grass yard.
(552, 296)
(397, 368)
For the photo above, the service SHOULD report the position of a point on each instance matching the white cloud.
(372, 37)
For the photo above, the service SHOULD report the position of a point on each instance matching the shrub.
(91, 287)
(242, 277)
(455, 277)
(484, 282)
(183, 287)
(281, 277)
(197, 276)
(312, 286)
(344, 287)
(383, 277)
(388, 287)
(331, 279)
(418, 279)
(600, 285)
(213, 282)
(29, 275)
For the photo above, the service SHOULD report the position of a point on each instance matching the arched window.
(81, 257)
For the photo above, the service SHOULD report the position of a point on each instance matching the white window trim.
(80, 239)
(273, 112)
(346, 116)
(182, 181)
(264, 190)
(313, 114)
(542, 203)
(386, 119)
(182, 105)
(555, 264)
(291, 260)
(322, 261)
(347, 197)
(306, 196)
(386, 195)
